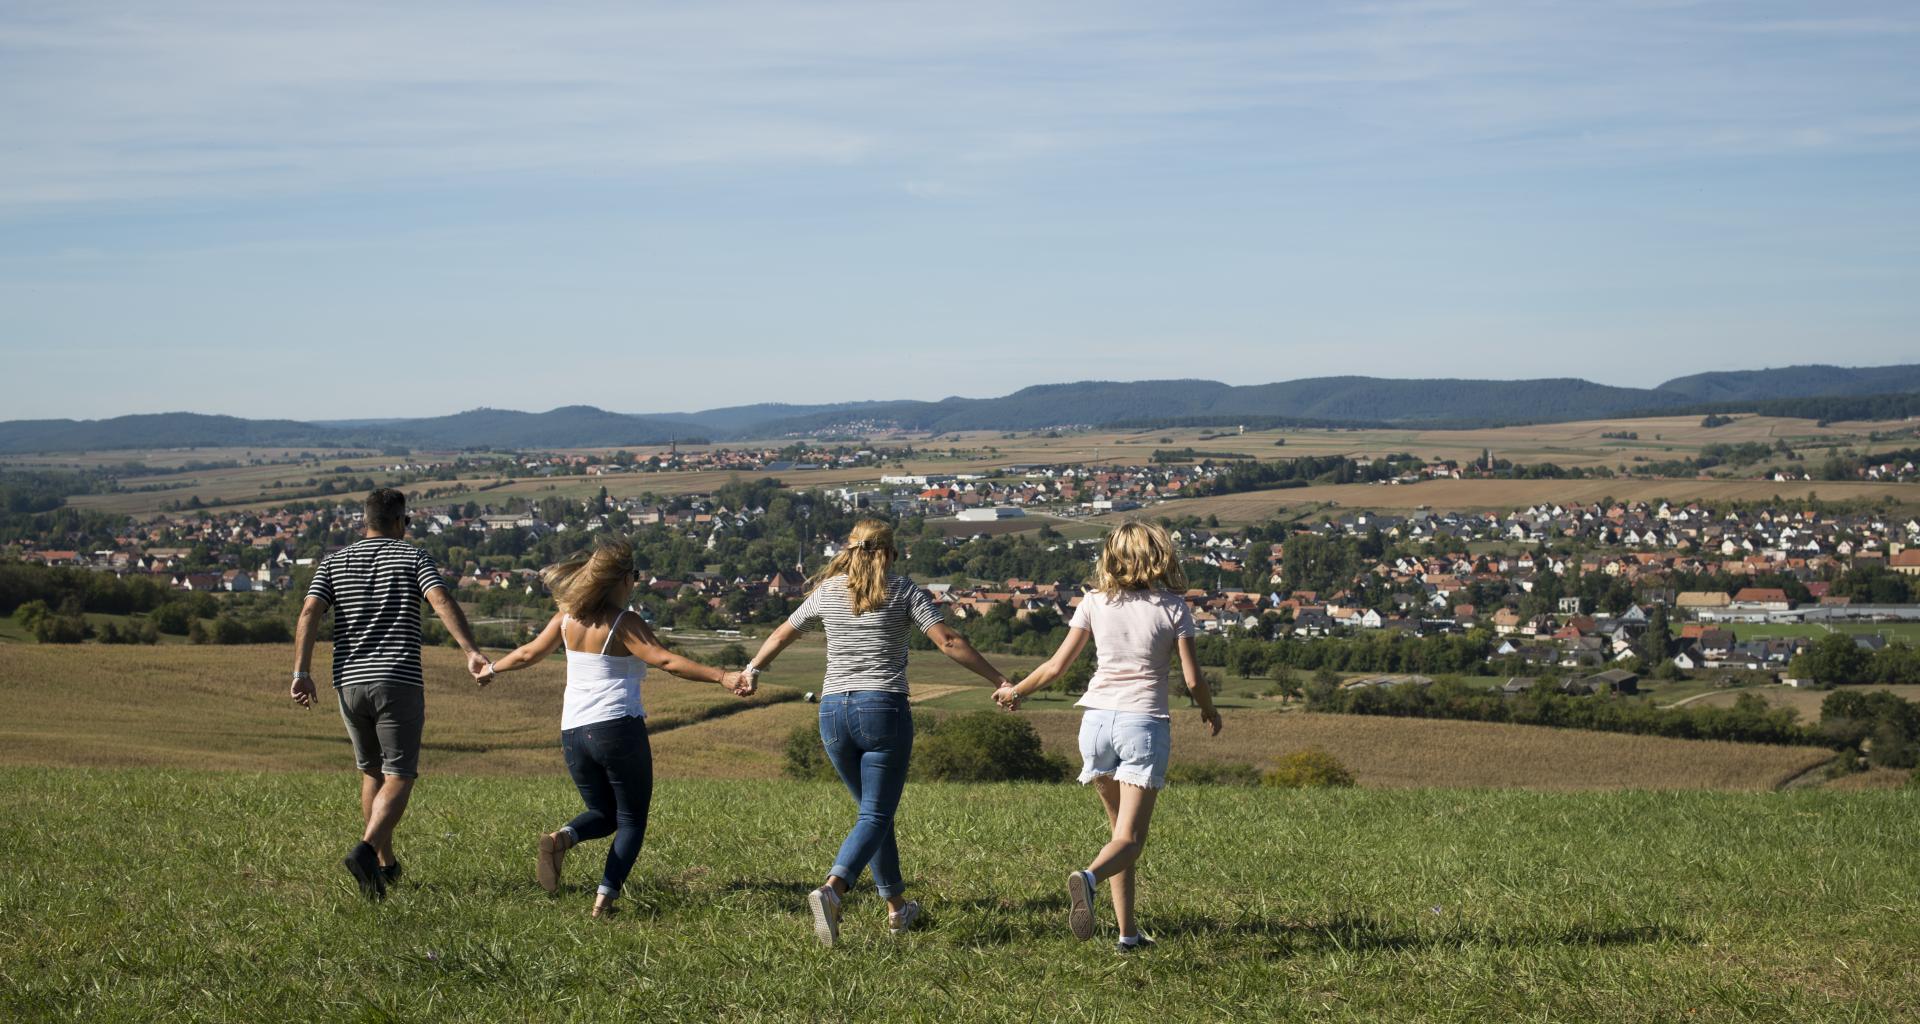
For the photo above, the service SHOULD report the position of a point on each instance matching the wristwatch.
(303, 675)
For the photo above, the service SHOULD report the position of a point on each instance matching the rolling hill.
(1319, 401)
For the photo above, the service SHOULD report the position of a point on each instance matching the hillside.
(1322, 401)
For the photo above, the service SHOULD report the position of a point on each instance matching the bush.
(985, 746)
(174, 618)
(1312, 768)
(806, 759)
(61, 629)
(731, 656)
(1213, 773)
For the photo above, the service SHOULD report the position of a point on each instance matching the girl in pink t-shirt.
(1136, 618)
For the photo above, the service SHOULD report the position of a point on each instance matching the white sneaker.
(898, 922)
(1080, 904)
(825, 904)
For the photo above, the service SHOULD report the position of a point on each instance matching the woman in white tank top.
(603, 728)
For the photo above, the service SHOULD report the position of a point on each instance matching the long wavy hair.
(864, 562)
(1138, 556)
(593, 586)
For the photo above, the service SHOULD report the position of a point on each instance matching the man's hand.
(479, 667)
(1211, 716)
(1008, 698)
(303, 693)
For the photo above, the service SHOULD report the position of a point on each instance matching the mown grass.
(143, 896)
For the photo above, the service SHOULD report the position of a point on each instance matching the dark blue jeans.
(612, 763)
(869, 738)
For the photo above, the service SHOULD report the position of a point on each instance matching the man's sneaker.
(825, 905)
(900, 921)
(1080, 904)
(390, 873)
(364, 865)
(546, 866)
(1135, 946)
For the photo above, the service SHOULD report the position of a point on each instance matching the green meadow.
(154, 895)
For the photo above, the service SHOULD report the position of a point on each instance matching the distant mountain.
(571, 426)
(1816, 381)
(152, 430)
(1324, 401)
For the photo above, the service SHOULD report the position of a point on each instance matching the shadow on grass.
(1009, 922)
(1356, 932)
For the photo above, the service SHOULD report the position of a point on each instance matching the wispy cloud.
(112, 103)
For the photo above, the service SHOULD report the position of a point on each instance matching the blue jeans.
(612, 764)
(869, 738)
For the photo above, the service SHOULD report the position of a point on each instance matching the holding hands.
(1008, 696)
(480, 667)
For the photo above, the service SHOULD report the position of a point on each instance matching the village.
(1707, 569)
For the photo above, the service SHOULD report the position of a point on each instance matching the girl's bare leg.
(1129, 811)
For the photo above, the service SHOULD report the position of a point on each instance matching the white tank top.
(601, 687)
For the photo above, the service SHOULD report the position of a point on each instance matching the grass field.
(1907, 631)
(141, 896)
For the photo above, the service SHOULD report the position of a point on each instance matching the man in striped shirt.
(374, 587)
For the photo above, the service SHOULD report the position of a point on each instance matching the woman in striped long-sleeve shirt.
(865, 722)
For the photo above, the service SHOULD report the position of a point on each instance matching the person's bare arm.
(779, 640)
(644, 645)
(1197, 684)
(1048, 671)
(956, 647)
(305, 630)
(456, 622)
(534, 650)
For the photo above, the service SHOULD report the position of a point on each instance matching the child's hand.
(1006, 697)
(1211, 716)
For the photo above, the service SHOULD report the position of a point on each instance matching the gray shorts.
(383, 721)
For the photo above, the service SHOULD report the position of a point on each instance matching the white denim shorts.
(1131, 747)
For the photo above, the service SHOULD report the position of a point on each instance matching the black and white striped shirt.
(866, 652)
(375, 586)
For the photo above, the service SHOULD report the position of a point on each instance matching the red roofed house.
(1770, 599)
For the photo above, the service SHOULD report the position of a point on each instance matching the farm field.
(1569, 444)
(1443, 495)
(143, 895)
(225, 707)
(1805, 702)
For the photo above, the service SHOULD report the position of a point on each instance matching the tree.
(1833, 660)
(1656, 644)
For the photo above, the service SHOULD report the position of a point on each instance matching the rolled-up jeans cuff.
(609, 891)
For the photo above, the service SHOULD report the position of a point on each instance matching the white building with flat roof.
(989, 514)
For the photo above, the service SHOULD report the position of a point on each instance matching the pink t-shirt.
(1134, 633)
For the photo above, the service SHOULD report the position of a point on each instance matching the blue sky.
(339, 210)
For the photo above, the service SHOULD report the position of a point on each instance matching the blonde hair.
(864, 563)
(592, 586)
(1138, 556)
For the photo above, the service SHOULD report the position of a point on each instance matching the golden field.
(226, 708)
(1568, 444)
(1500, 495)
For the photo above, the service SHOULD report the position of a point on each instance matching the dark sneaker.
(1080, 905)
(1135, 946)
(364, 865)
(390, 873)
